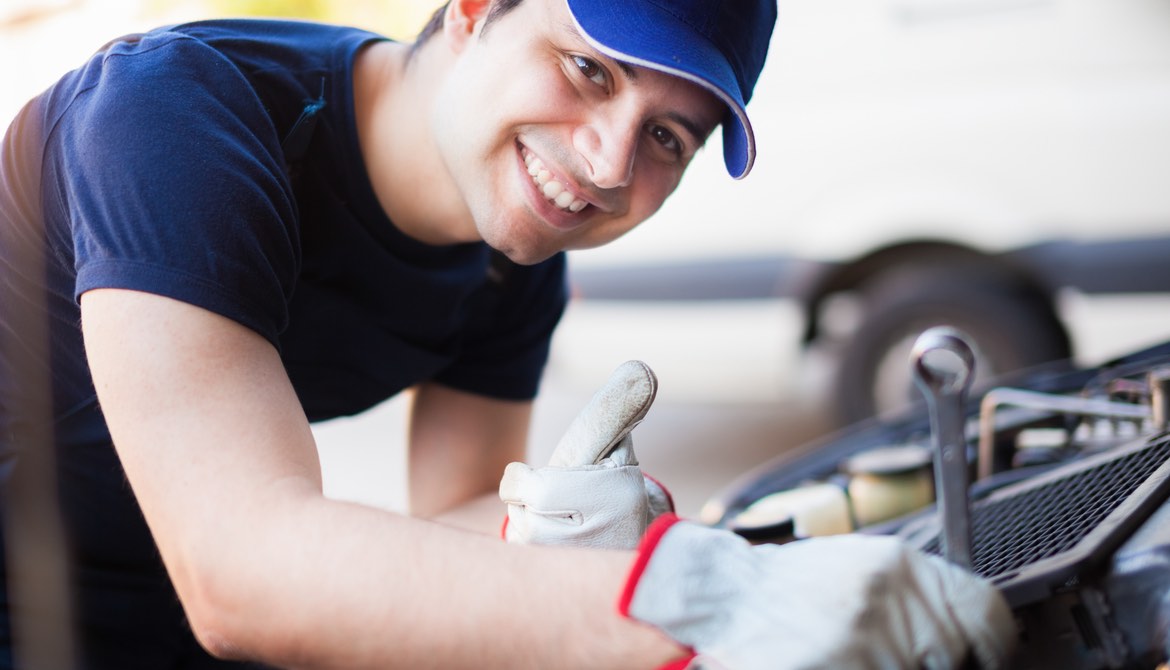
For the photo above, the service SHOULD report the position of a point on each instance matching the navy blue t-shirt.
(218, 163)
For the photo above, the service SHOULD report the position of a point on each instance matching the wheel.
(1010, 327)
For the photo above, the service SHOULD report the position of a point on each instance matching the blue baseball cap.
(719, 44)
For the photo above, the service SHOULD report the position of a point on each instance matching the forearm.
(483, 515)
(459, 445)
(223, 465)
(395, 592)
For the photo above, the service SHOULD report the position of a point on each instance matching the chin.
(518, 252)
(522, 256)
(518, 247)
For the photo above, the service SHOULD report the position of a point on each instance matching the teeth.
(552, 189)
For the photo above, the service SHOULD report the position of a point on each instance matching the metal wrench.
(944, 368)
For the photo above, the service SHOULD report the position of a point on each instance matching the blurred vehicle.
(1069, 512)
(973, 162)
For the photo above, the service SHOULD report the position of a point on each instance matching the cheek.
(646, 198)
(449, 123)
(466, 98)
(654, 187)
(534, 92)
(645, 203)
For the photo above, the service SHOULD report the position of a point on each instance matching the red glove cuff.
(681, 664)
(646, 547)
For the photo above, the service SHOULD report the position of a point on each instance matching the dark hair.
(497, 9)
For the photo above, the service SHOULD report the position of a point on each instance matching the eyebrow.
(629, 70)
(696, 131)
(690, 125)
(631, 73)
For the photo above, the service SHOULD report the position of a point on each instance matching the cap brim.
(643, 34)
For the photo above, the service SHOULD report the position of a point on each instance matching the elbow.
(244, 617)
(215, 618)
(240, 597)
(239, 625)
(229, 605)
(217, 644)
(236, 609)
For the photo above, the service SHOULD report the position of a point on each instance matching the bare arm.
(223, 464)
(459, 445)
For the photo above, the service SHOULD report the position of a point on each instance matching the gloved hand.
(592, 494)
(847, 601)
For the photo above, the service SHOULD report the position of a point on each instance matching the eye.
(591, 69)
(666, 139)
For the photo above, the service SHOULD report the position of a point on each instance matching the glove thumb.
(605, 423)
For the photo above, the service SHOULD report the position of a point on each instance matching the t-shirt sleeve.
(505, 354)
(171, 174)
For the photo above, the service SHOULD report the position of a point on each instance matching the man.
(216, 233)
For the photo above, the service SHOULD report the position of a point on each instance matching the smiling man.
(215, 233)
(563, 148)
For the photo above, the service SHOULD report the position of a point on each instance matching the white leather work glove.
(592, 493)
(846, 601)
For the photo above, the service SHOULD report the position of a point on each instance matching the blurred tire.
(1010, 326)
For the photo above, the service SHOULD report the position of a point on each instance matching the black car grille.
(1026, 524)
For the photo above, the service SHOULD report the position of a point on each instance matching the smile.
(553, 190)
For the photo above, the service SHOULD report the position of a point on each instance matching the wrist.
(602, 638)
(682, 654)
(650, 539)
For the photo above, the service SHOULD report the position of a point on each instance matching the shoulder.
(257, 46)
(207, 51)
(140, 76)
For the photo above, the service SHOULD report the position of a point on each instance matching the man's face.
(555, 146)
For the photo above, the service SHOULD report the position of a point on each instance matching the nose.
(608, 147)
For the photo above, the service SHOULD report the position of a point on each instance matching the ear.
(461, 19)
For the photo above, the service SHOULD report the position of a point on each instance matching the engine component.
(1069, 516)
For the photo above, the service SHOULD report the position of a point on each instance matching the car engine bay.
(1052, 483)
